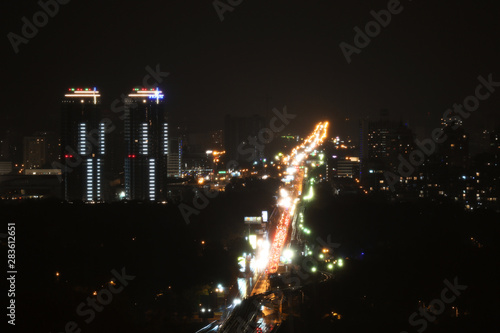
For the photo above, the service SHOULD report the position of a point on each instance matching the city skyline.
(250, 166)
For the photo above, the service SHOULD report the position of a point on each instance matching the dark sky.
(426, 59)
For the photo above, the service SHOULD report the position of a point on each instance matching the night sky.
(264, 54)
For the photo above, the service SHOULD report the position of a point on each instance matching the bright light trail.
(288, 198)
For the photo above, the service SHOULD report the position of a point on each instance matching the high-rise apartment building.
(83, 145)
(382, 141)
(146, 145)
(40, 150)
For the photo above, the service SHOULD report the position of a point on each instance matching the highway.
(261, 311)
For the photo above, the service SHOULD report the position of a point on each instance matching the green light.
(340, 262)
(314, 269)
(310, 195)
(330, 266)
(321, 256)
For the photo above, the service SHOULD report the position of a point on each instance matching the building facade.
(83, 145)
(146, 145)
(40, 150)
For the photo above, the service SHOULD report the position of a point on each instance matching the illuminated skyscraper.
(146, 145)
(83, 145)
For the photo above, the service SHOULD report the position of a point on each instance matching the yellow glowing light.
(83, 95)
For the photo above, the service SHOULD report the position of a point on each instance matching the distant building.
(34, 152)
(174, 160)
(40, 150)
(238, 132)
(43, 172)
(5, 168)
(4, 149)
(454, 151)
(495, 142)
(347, 167)
(382, 141)
(9, 149)
(83, 146)
(216, 140)
(146, 145)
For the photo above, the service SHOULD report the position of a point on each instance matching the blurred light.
(252, 239)
(310, 195)
(288, 254)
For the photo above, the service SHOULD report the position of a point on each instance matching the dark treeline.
(399, 256)
(153, 242)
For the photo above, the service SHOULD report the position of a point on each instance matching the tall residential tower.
(146, 145)
(83, 145)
